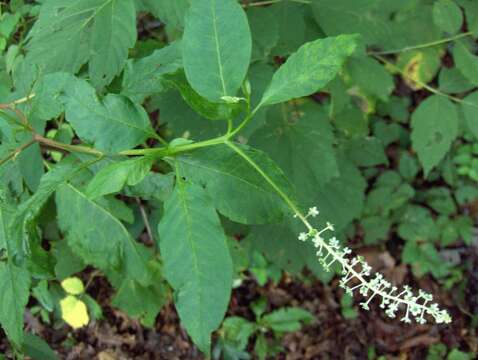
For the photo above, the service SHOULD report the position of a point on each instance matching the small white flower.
(313, 211)
(330, 226)
(303, 236)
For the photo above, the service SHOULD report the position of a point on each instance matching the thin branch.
(70, 148)
(427, 87)
(145, 220)
(17, 151)
(421, 46)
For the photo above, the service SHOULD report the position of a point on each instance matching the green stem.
(23, 100)
(421, 46)
(244, 122)
(266, 177)
(271, 2)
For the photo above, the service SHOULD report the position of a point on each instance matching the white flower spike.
(357, 275)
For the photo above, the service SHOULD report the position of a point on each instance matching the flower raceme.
(357, 275)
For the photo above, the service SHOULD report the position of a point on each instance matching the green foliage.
(146, 155)
(237, 331)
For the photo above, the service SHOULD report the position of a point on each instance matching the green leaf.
(113, 124)
(67, 34)
(341, 200)
(380, 85)
(26, 213)
(424, 258)
(99, 238)
(447, 16)
(216, 47)
(207, 109)
(466, 62)
(300, 140)
(237, 331)
(236, 188)
(286, 252)
(470, 109)
(142, 78)
(417, 225)
(38, 349)
(172, 12)
(112, 34)
(197, 263)
(290, 37)
(142, 302)
(353, 16)
(451, 80)
(287, 319)
(367, 151)
(309, 69)
(114, 177)
(14, 287)
(265, 32)
(434, 128)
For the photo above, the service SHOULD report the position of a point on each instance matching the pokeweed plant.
(82, 151)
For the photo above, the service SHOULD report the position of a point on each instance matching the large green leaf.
(237, 189)
(68, 33)
(197, 262)
(25, 215)
(434, 128)
(300, 140)
(216, 47)
(14, 287)
(142, 78)
(97, 236)
(309, 69)
(113, 124)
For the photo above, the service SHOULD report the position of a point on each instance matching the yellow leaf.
(74, 312)
(73, 286)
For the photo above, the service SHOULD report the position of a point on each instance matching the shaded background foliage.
(388, 151)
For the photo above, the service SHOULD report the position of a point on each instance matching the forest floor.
(330, 336)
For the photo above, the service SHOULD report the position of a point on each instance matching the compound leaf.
(67, 34)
